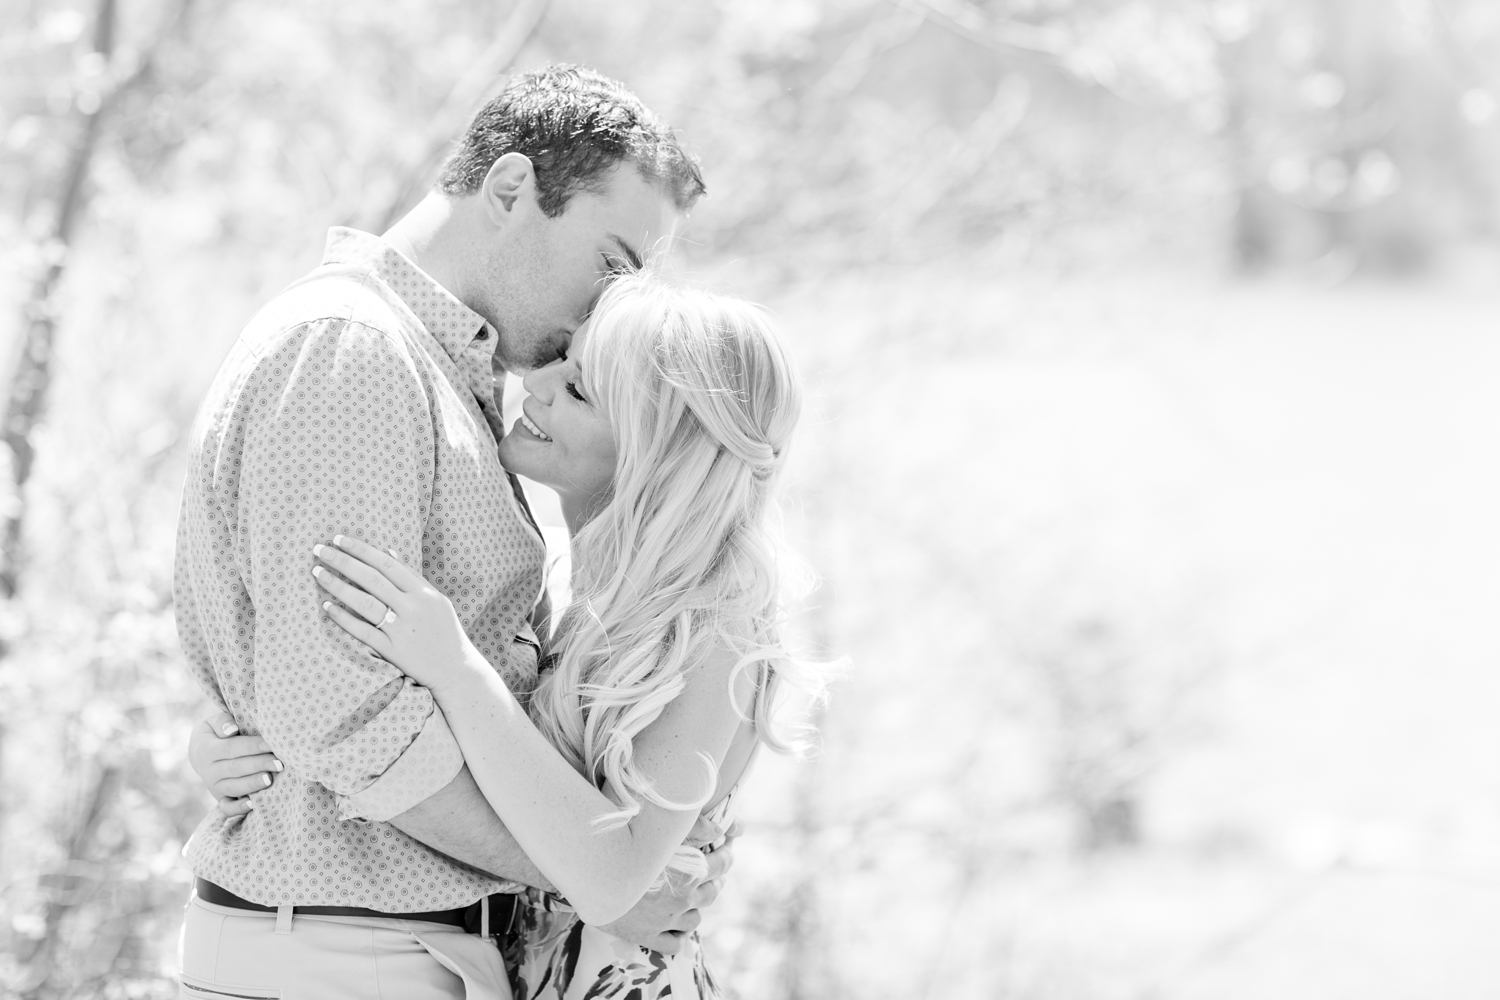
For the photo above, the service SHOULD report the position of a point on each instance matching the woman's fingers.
(704, 893)
(689, 921)
(238, 767)
(236, 807)
(232, 747)
(372, 570)
(207, 745)
(235, 787)
(371, 609)
(222, 724)
(364, 576)
(360, 629)
(393, 569)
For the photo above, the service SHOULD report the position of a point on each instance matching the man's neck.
(429, 237)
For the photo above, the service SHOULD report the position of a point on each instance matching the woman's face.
(562, 439)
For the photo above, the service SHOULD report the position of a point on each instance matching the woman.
(663, 437)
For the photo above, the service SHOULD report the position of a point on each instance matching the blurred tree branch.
(1002, 36)
(859, 57)
(477, 85)
(1469, 69)
(62, 900)
(26, 399)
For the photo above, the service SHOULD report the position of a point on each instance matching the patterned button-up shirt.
(359, 401)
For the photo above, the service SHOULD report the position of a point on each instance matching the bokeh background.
(1151, 471)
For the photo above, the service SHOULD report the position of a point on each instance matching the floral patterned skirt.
(552, 955)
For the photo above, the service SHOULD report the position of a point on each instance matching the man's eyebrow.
(632, 256)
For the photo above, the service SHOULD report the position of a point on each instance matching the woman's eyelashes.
(573, 391)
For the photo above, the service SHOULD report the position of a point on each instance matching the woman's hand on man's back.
(232, 767)
(663, 918)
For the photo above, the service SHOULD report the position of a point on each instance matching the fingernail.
(393, 554)
(318, 549)
(317, 571)
(229, 729)
(267, 779)
(338, 540)
(276, 766)
(327, 605)
(249, 803)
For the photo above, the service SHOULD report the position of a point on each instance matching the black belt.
(466, 917)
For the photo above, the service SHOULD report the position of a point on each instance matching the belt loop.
(283, 920)
(515, 913)
(484, 917)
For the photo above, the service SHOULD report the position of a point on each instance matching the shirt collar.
(452, 324)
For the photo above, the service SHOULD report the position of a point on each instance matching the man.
(364, 400)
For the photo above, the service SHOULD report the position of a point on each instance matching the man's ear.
(511, 180)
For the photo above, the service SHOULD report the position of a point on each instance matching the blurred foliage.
(840, 138)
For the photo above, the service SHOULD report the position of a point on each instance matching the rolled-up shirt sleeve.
(340, 442)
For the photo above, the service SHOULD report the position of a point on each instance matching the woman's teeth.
(533, 428)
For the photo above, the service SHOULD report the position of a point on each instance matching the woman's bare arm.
(550, 809)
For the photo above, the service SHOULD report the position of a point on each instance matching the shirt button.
(483, 334)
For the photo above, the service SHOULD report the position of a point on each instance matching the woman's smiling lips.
(525, 423)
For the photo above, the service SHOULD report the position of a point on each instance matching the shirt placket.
(478, 369)
(489, 393)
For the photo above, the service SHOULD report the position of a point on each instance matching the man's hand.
(663, 918)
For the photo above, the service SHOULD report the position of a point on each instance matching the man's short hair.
(575, 125)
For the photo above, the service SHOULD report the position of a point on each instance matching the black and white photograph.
(750, 500)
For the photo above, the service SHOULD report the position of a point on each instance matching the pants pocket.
(193, 988)
(473, 959)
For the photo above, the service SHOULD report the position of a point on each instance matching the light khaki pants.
(229, 954)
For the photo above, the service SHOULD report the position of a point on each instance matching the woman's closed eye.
(573, 391)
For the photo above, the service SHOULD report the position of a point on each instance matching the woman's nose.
(542, 381)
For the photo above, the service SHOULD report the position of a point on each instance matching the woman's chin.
(514, 459)
(518, 462)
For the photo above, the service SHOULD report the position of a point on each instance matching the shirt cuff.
(431, 761)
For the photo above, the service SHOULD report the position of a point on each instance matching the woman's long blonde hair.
(685, 556)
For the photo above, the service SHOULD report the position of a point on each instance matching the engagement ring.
(390, 616)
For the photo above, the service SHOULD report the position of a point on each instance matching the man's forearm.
(458, 821)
